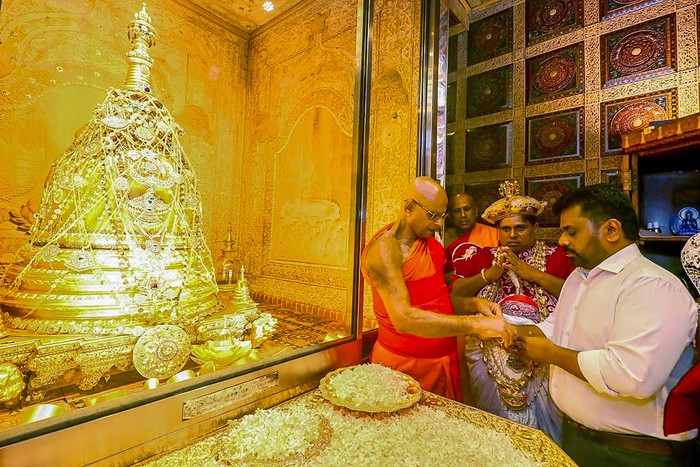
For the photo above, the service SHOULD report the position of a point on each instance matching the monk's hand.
(496, 327)
(487, 308)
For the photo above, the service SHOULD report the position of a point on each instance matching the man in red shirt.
(525, 276)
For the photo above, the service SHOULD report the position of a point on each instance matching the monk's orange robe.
(430, 361)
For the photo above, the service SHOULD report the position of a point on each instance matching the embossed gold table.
(533, 443)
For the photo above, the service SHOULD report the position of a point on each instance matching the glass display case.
(662, 175)
(289, 105)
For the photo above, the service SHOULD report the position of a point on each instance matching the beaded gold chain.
(512, 390)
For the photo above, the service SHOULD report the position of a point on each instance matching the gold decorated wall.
(294, 222)
(393, 126)
(299, 135)
(541, 90)
(394, 104)
(57, 61)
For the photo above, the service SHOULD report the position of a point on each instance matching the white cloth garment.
(633, 323)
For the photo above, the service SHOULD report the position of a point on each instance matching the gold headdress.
(512, 204)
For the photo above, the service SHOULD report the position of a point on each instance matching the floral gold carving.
(161, 351)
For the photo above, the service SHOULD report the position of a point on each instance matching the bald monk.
(418, 322)
(463, 212)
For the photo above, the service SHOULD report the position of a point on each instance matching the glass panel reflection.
(176, 238)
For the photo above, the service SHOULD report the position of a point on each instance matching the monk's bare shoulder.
(384, 256)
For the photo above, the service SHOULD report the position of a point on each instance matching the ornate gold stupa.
(116, 273)
(117, 244)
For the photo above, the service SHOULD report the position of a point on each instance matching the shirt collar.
(615, 262)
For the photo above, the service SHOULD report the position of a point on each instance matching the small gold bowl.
(151, 383)
(39, 412)
(182, 376)
(105, 397)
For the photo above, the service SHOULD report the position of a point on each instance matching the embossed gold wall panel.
(393, 124)
(394, 103)
(298, 155)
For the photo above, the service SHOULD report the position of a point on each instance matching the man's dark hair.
(600, 203)
(530, 218)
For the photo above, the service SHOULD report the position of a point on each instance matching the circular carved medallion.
(489, 35)
(554, 136)
(550, 193)
(635, 116)
(488, 91)
(486, 148)
(161, 351)
(555, 74)
(637, 51)
(552, 15)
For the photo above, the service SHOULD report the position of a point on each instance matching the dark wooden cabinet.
(661, 172)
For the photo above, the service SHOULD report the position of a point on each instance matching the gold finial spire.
(142, 37)
(229, 239)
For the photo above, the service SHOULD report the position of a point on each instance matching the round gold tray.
(412, 394)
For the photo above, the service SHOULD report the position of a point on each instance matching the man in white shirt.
(621, 337)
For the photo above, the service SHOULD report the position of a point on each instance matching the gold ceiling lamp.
(117, 245)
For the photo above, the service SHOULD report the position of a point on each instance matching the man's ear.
(612, 230)
(408, 206)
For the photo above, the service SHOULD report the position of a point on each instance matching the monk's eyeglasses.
(434, 216)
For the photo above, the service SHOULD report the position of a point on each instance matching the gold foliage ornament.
(117, 243)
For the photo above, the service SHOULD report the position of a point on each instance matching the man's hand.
(493, 273)
(517, 265)
(532, 341)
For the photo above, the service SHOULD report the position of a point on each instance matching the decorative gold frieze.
(555, 105)
(688, 100)
(489, 65)
(490, 119)
(687, 37)
(555, 43)
(18, 353)
(51, 362)
(97, 357)
(592, 177)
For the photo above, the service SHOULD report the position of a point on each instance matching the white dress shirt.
(633, 323)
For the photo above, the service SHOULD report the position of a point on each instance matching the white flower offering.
(274, 437)
(370, 388)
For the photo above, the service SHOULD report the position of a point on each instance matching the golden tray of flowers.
(370, 388)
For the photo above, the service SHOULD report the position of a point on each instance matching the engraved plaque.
(220, 399)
